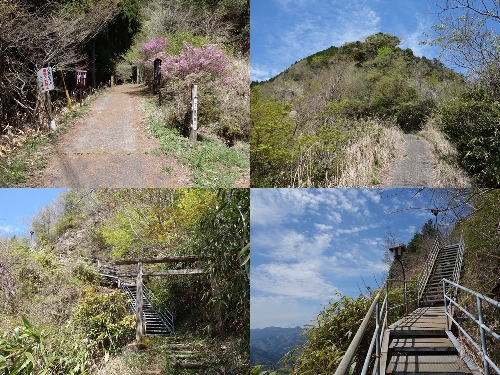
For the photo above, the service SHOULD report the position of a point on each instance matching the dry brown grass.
(356, 164)
(236, 100)
(448, 171)
(115, 366)
(364, 158)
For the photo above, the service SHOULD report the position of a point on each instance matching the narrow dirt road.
(111, 147)
(413, 167)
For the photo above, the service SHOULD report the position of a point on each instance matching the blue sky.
(18, 205)
(308, 244)
(285, 31)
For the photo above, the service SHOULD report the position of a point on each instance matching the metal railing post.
(483, 337)
(445, 308)
(406, 298)
(377, 327)
(387, 296)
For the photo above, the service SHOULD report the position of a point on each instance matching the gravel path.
(110, 147)
(414, 165)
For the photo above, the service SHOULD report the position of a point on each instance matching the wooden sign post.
(139, 326)
(193, 133)
(46, 83)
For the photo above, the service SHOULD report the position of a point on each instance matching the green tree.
(471, 121)
(224, 246)
(115, 39)
(468, 40)
(271, 140)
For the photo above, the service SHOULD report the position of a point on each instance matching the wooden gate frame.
(139, 325)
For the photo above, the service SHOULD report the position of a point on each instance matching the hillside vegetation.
(59, 316)
(346, 107)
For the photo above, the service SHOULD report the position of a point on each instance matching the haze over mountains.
(270, 344)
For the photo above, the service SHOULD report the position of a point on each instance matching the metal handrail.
(345, 363)
(479, 320)
(428, 267)
(381, 309)
(458, 263)
(165, 316)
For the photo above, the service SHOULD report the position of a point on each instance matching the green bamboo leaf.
(17, 370)
(30, 357)
(26, 322)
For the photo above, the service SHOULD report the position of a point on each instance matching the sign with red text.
(45, 79)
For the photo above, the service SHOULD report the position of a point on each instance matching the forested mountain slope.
(306, 120)
(270, 344)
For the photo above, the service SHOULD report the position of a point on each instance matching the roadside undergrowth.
(449, 172)
(24, 151)
(365, 157)
(182, 354)
(213, 164)
(369, 146)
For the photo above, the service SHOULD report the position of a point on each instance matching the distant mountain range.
(271, 343)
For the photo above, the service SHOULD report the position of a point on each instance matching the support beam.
(174, 259)
(194, 271)
(139, 326)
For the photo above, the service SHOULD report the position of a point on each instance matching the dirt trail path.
(110, 147)
(413, 167)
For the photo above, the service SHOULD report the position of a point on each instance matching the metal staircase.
(423, 342)
(419, 343)
(446, 262)
(156, 321)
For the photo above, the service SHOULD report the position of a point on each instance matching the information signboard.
(45, 79)
(81, 78)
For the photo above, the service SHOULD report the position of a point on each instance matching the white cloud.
(373, 194)
(411, 229)
(281, 311)
(335, 217)
(261, 72)
(297, 280)
(320, 26)
(356, 229)
(290, 245)
(267, 207)
(9, 229)
(323, 227)
(413, 39)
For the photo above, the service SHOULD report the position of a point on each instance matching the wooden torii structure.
(139, 326)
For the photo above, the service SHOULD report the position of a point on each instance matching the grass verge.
(212, 163)
(368, 155)
(448, 167)
(29, 148)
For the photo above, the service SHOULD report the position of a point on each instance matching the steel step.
(429, 364)
(421, 344)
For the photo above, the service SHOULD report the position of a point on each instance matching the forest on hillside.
(335, 118)
(60, 316)
(470, 213)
